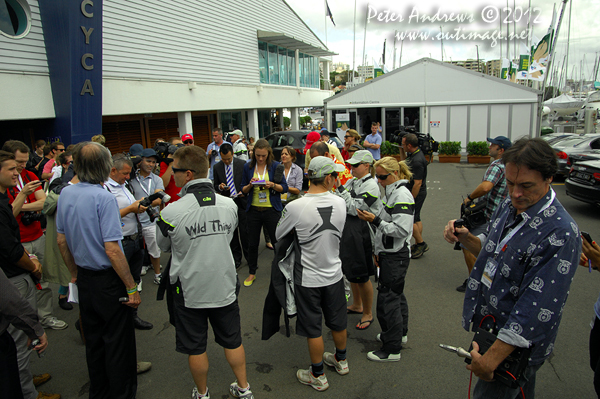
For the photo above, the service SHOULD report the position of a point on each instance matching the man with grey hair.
(240, 151)
(89, 237)
(119, 185)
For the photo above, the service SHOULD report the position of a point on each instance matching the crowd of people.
(109, 218)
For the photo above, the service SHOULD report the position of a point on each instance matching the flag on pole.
(383, 54)
(329, 13)
(540, 58)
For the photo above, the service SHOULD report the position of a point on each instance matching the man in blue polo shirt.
(373, 142)
(89, 237)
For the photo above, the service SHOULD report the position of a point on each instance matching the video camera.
(147, 202)
(426, 143)
(471, 215)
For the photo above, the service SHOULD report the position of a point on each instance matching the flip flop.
(350, 311)
(360, 324)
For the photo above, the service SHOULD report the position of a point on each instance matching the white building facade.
(167, 68)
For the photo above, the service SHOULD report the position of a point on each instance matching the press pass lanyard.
(20, 186)
(502, 244)
(142, 185)
(263, 175)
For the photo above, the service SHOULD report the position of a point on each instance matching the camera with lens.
(147, 202)
(426, 143)
(29, 217)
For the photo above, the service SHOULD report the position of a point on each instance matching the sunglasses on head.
(383, 177)
(175, 170)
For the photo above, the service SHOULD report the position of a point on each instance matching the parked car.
(554, 138)
(583, 182)
(294, 138)
(581, 144)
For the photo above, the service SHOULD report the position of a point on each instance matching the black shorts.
(419, 204)
(329, 301)
(191, 327)
(359, 280)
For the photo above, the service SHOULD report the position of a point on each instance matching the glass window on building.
(291, 67)
(262, 62)
(317, 72)
(231, 121)
(283, 75)
(273, 65)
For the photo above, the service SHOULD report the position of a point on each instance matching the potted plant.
(478, 152)
(390, 150)
(449, 151)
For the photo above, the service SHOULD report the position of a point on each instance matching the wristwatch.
(469, 197)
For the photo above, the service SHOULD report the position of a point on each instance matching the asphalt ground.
(425, 370)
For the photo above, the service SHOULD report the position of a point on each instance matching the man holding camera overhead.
(492, 190)
(129, 208)
(146, 183)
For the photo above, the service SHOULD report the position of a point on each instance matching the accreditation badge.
(491, 265)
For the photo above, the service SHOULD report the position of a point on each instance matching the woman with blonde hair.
(356, 249)
(394, 224)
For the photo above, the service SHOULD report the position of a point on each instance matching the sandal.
(360, 325)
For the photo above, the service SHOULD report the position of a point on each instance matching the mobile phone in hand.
(587, 237)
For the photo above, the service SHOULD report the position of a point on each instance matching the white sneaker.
(54, 324)
(381, 356)
(197, 395)
(341, 367)
(237, 392)
(404, 339)
(306, 377)
(157, 279)
(140, 286)
(144, 270)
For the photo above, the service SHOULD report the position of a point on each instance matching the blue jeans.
(497, 390)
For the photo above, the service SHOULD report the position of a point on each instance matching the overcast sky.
(584, 42)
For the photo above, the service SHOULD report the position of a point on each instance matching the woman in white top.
(293, 175)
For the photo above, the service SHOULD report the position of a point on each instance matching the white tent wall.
(468, 105)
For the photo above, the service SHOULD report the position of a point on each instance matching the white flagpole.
(354, 45)
(365, 40)
(325, 6)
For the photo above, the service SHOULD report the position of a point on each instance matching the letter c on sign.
(83, 11)
(83, 64)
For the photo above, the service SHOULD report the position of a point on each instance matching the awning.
(292, 43)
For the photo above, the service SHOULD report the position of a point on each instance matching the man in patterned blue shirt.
(524, 269)
(492, 189)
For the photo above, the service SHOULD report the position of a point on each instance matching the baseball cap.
(238, 132)
(361, 156)
(174, 147)
(321, 166)
(502, 141)
(136, 150)
(311, 138)
(187, 137)
(324, 132)
(149, 152)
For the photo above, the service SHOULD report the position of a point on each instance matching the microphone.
(278, 175)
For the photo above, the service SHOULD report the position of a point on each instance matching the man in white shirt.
(129, 207)
(318, 219)
(240, 151)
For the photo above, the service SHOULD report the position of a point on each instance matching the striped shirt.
(495, 175)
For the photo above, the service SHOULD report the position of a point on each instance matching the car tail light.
(597, 176)
(562, 155)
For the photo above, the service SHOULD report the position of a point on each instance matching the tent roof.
(428, 82)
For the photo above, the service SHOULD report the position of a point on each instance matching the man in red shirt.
(166, 171)
(27, 200)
